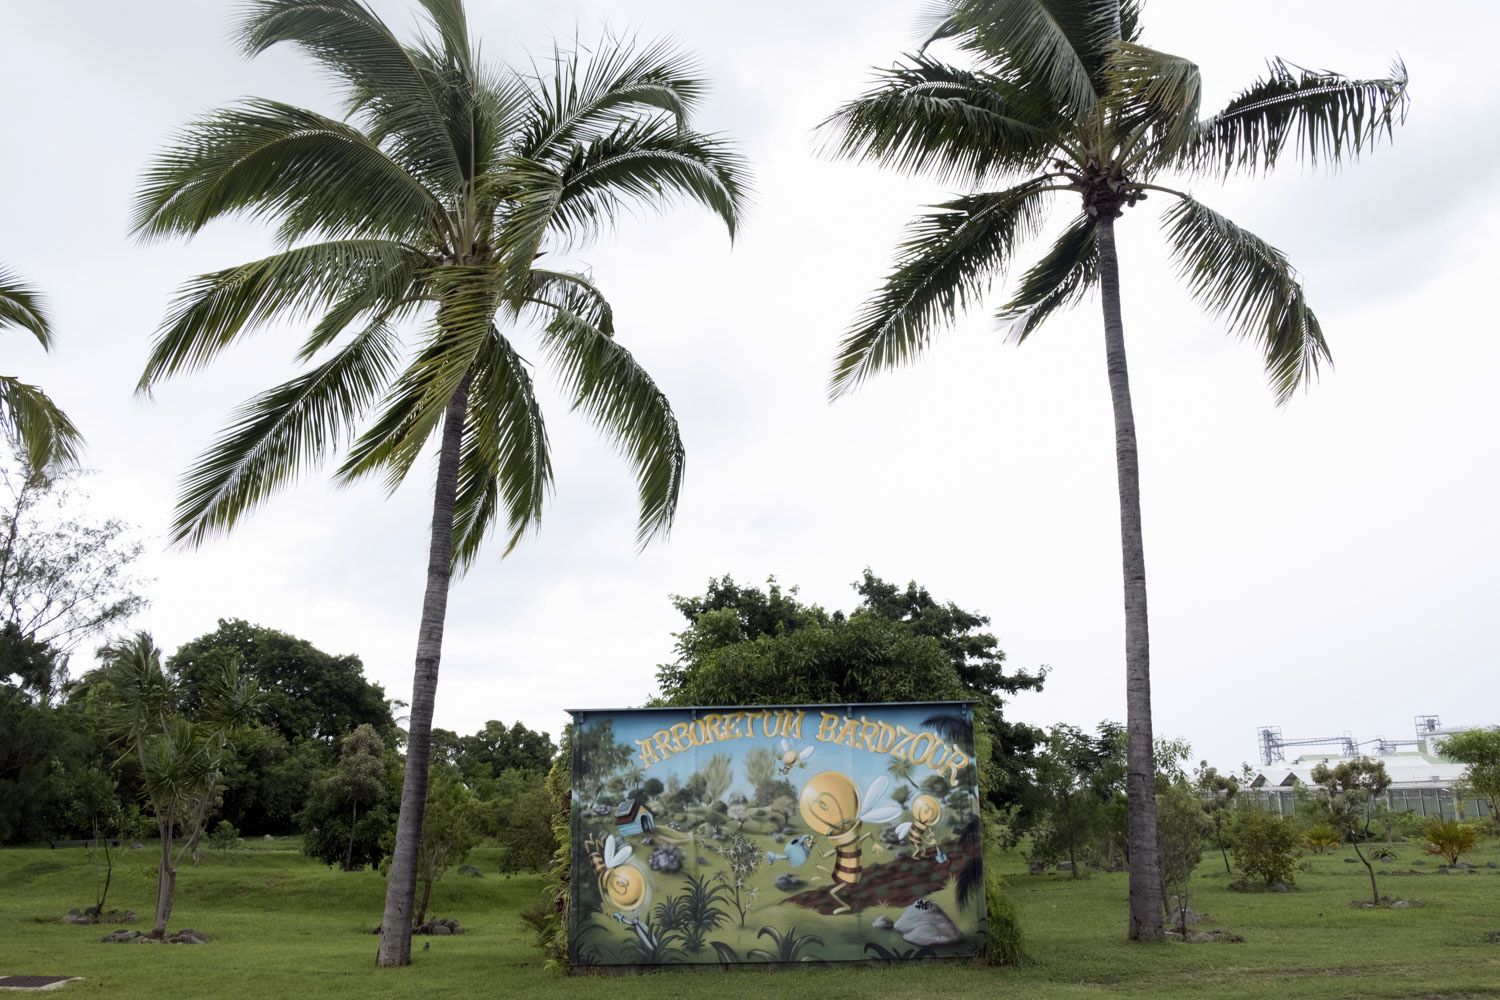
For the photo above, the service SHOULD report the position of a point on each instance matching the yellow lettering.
(886, 738)
(826, 727)
(867, 730)
(957, 762)
(847, 732)
(648, 755)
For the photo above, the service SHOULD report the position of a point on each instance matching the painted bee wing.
(883, 813)
(876, 790)
(616, 853)
(806, 753)
(786, 746)
(902, 831)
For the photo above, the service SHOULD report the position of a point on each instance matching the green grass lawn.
(284, 926)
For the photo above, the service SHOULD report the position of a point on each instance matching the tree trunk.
(166, 883)
(1140, 786)
(421, 917)
(1374, 889)
(349, 854)
(395, 926)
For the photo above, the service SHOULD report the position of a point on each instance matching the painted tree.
(28, 416)
(450, 191)
(1061, 98)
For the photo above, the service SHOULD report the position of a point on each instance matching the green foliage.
(31, 421)
(309, 694)
(1264, 846)
(450, 829)
(1321, 838)
(351, 810)
(1450, 839)
(1004, 941)
(225, 836)
(1181, 826)
(1075, 784)
(1480, 750)
(786, 947)
(519, 821)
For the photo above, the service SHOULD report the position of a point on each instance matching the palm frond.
(1062, 277)
(282, 433)
(21, 306)
(469, 298)
(1157, 90)
(385, 81)
(503, 454)
(269, 160)
(1323, 116)
(1248, 282)
(960, 124)
(1061, 45)
(585, 100)
(213, 310)
(610, 387)
(30, 419)
(946, 261)
(649, 163)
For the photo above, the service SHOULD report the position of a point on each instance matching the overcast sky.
(1326, 566)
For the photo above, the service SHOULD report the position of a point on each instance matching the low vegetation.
(296, 927)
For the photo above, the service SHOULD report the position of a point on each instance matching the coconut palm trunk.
(1146, 898)
(401, 888)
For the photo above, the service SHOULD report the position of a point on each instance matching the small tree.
(521, 822)
(348, 813)
(181, 760)
(1219, 792)
(1264, 847)
(1181, 825)
(92, 802)
(1352, 788)
(449, 831)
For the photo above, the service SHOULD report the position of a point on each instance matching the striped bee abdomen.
(846, 867)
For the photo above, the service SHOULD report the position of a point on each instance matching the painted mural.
(775, 834)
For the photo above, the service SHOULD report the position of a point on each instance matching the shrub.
(1264, 846)
(1407, 825)
(1450, 839)
(1004, 943)
(224, 836)
(1320, 838)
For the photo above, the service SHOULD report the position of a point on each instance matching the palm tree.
(28, 417)
(449, 191)
(181, 760)
(1062, 98)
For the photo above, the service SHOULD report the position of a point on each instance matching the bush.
(1450, 839)
(224, 836)
(1264, 846)
(1407, 825)
(1320, 838)
(1004, 943)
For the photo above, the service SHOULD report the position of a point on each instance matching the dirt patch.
(900, 882)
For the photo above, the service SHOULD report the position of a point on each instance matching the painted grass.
(287, 927)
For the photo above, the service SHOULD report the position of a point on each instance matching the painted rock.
(925, 923)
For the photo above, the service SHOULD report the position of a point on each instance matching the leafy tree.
(28, 417)
(494, 749)
(91, 801)
(1062, 97)
(1072, 787)
(519, 821)
(1480, 750)
(1218, 792)
(64, 578)
(309, 694)
(180, 759)
(1180, 829)
(349, 812)
(267, 781)
(1264, 847)
(449, 831)
(1352, 789)
(450, 188)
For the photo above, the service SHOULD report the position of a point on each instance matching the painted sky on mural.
(1320, 567)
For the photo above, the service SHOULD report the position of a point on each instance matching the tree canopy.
(310, 694)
